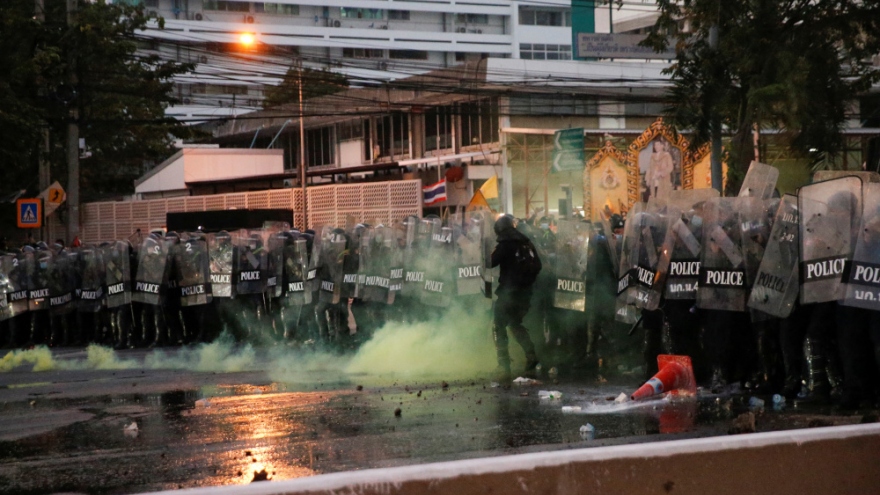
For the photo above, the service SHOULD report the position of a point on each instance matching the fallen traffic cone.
(676, 376)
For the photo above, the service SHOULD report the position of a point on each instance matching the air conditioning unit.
(187, 101)
(479, 31)
(203, 59)
(337, 24)
(197, 16)
(249, 19)
(384, 27)
(153, 13)
(289, 182)
(383, 65)
(461, 30)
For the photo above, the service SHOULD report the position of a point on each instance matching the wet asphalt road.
(66, 430)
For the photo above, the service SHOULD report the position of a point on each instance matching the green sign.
(568, 149)
(583, 20)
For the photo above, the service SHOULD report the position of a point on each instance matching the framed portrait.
(605, 183)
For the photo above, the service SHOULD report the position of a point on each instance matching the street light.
(246, 39)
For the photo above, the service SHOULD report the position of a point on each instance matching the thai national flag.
(435, 193)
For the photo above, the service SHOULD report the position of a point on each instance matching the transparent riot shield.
(439, 285)
(641, 273)
(275, 264)
(296, 267)
(396, 243)
(490, 274)
(351, 262)
(723, 284)
(249, 270)
(611, 242)
(375, 268)
(192, 271)
(331, 271)
(467, 240)
(117, 273)
(38, 265)
(760, 181)
(315, 246)
(92, 278)
(775, 286)
(62, 283)
(13, 270)
(220, 255)
(149, 284)
(413, 251)
(572, 253)
(830, 212)
(686, 242)
(863, 275)
(823, 175)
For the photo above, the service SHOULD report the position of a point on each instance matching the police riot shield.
(117, 273)
(396, 244)
(149, 282)
(314, 247)
(249, 270)
(220, 256)
(38, 265)
(92, 277)
(413, 251)
(192, 271)
(823, 175)
(296, 267)
(490, 273)
(760, 181)
(775, 286)
(275, 263)
(572, 253)
(723, 284)
(375, 269)
(467, 240)
(13, 284)
(863, 274)
(829, 219)
(62, 283)
(641, 273)
(439, 283)
(351, 262)
(611, 242)
(686, 242)
(331, 272)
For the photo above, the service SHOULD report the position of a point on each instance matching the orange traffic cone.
(676, 376)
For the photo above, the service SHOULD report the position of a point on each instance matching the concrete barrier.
(827, 461)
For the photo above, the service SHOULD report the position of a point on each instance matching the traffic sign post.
(29, 213)
(52, 198)
(568, 150)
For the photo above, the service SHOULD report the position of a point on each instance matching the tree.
(121, 95)
(315, 83)
(791, 65)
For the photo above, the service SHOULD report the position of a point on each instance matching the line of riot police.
(779, 294)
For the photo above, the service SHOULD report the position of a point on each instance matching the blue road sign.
(29, 213)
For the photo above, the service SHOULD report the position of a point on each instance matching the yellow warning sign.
(52, 197)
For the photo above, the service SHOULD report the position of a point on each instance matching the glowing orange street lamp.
(246, 39)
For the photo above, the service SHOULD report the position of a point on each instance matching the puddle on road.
(224, 434)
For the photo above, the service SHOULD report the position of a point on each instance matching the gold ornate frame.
(656, 129)
(607, 151)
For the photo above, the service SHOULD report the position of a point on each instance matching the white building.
(368, 40)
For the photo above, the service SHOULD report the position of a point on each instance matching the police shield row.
(273, 283)
(777, 293)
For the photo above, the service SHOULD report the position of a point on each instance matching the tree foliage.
(315, 83)
(121, 96)
(791, 65)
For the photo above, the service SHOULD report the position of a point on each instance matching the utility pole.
(72, 137)
(44, 174)
(716, 168)
(302, 148)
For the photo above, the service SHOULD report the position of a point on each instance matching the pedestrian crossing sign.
(29, 213)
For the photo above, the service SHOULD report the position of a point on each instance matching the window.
(471, 18)
(533, 16)
(408, 54)
(362, 53)
(540, 51)
(351, 13)
(351, 130)
(320, 147)
(479, 122)
(438, 128)
(553, 105)
(226, 5)
(398, 15)
(154, 4)
(276, 8)
(643, 108)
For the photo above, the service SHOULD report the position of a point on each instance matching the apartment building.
(368, 40)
